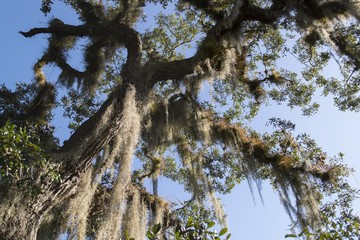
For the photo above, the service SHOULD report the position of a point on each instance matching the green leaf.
(150, 235)
(291, 236)
(210, 224)
(156, 228)
(223, 231)
(190, 223)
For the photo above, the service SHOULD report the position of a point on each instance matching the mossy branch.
(111, 34)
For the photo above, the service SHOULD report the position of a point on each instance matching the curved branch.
(215, 41)
(114, 33)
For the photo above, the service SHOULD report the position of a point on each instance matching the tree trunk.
(21, 224)
(21, 217)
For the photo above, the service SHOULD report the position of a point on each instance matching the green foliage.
(46, 6)
(16, 106)
(25, 161)
(21, 161)
(192, 230)
(339, 221)
(174, 34)
(344, 226)
(78, 108)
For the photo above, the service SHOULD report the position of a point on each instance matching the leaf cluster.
(339, 220)
(192, 230)
(23, 163)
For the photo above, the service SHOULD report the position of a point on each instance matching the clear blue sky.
(335, 131)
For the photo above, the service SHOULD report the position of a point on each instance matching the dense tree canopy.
(174, 96)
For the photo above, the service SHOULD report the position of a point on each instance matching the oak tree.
(175, 98)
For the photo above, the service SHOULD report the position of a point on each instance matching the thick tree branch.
(81, 148)
(115, 32)
(234, 136)
(217, 38)
(177, 69)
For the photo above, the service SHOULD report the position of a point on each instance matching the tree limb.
(216, 38)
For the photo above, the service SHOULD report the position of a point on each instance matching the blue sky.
(334, 131)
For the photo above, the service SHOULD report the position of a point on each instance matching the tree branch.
(177, 69)
(81, 148)
(215, 41)
(113, 33)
